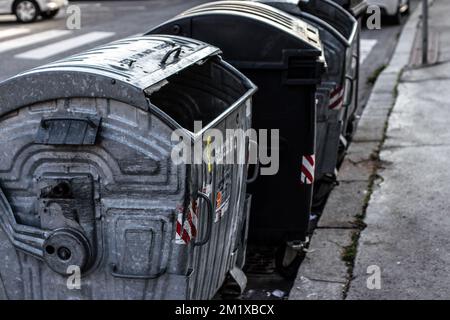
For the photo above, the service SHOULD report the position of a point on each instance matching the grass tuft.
(375, 74)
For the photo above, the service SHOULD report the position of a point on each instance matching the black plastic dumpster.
(92, 203)
(337, 94)
(283, 56)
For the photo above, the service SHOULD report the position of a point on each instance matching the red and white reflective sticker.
(336, 98)
(187, 231)
(179, 231)
(220, 211)
(308, 165)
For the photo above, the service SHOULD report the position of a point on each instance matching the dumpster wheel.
(288, 260)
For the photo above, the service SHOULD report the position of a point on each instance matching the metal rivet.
(64, 253)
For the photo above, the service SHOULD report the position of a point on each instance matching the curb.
(325, 272)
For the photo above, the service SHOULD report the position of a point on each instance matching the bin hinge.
(59, 248)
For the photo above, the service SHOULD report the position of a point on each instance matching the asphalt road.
(24, 46)
(377, 47)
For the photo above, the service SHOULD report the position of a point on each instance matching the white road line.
(31, 39)
(366, 47)
(64, 45)
(8, 18)
(13, 32)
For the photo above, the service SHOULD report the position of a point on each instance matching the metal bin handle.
(176, 50)
(256, 169)
(210, 219)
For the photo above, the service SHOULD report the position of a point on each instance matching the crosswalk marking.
(13, 32)
(31, 39)
(64, 45)
(366, 47)
(55, 48)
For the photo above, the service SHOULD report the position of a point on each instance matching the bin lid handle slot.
(68, 130)
(116, 274)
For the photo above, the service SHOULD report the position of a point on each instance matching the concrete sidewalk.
(408, 217)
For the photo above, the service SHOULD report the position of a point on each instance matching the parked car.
(394, 9)
(30, 10)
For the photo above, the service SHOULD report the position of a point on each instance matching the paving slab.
(380, 101)
(307, 289)
(384, 83)
(324, 262)
(370, 128)
(345, 202)
(355, 171)
(360, 151)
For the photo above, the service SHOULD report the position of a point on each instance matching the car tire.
(400, 16)
(26, 11)
(49, 14)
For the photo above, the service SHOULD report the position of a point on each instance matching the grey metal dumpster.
(92, 204)
(357, 8)
(337, 94)
(283, 56)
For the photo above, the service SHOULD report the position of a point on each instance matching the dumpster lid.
(120, 70)
(297, 28)
(325, 13)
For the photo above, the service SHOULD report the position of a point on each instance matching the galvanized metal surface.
(120, 70)
(111, 208)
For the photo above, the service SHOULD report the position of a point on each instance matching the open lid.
(121, 70)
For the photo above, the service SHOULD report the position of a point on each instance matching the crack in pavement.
(338, 228)
(323, 280)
